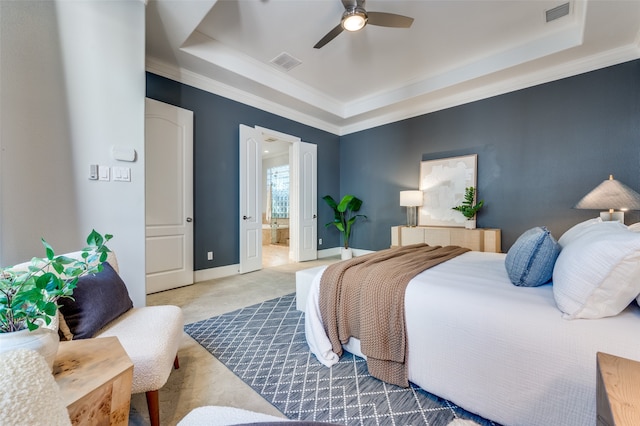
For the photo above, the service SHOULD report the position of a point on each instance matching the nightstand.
(617, 391)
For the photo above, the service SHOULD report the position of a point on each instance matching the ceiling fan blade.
(383, 19)
(330, 36)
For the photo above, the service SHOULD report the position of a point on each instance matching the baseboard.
(213, 273)
(229, 270)
(360, 252)
(335, 251)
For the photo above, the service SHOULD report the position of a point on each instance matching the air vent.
(285, 61)
(557, 12)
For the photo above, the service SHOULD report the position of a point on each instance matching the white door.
(304, 200)
(250, 199)
(168, 196)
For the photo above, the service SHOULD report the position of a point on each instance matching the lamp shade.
(610, 195)
(411, 198)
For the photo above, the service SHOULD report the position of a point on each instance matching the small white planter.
(470, 224)
(346, 253)
(43, 340)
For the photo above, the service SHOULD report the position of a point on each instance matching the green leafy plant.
(468, 207)
(344, 214)
(28, 295)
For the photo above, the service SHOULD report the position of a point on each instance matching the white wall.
(72, 85)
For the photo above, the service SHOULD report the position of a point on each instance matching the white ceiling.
(455, 52)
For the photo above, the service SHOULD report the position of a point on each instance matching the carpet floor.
(265, 346)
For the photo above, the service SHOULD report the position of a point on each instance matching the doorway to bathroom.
(302, 228)
(276, 203)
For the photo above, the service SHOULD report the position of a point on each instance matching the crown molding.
(207, 84)
(212, 51)
(415, 107)
(503, 86)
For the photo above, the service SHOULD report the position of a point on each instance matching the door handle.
(246, 217)
(314, 216)
(189, 219)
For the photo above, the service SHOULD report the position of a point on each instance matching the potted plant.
(469, 207)
(29, 294)
(344, 218)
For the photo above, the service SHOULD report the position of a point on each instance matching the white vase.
(470, 224)
(346, 253)
(43, 340)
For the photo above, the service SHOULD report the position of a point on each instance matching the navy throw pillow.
(99, 299)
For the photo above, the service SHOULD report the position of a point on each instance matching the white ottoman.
(304, 278)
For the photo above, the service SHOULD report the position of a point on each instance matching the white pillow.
(597, 274)
(635, 227)
(576, 230)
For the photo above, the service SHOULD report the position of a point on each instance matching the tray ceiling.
(454, 52)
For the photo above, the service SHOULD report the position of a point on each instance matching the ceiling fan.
(355, 17)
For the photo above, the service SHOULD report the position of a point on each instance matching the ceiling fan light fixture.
(355, 17)
(354, 20)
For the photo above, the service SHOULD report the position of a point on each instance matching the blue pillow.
(530, 260)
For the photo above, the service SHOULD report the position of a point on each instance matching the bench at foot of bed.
(304, 278)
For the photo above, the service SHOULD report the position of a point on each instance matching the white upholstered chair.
(150, 335)
(213, 415)
(224, 416)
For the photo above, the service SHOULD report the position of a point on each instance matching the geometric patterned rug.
(265, 346)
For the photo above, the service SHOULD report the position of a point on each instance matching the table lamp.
(411, 200)
(611, 195)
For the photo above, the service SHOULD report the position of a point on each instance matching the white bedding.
(497, 350)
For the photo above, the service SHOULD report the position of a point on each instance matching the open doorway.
(302, 199)
(276, 196)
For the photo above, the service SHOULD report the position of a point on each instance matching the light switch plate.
(103, 173)
(122, 174)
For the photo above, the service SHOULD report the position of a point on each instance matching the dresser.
(479, 239)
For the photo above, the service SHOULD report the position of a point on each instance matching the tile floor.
(275, 255)
(201, 378)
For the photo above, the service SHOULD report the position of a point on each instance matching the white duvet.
(497, 350)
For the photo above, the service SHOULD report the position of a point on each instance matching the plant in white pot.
(29, 293)
(469, 207)
(344, 218)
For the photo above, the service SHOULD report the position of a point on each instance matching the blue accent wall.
(216, 165)
(539, 150)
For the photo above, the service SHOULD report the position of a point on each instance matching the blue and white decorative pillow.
(531, 259)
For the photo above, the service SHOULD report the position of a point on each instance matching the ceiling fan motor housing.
(354, 19)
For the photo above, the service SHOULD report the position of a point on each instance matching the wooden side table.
(94, 376)
(617, 391)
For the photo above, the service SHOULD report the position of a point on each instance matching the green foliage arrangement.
(28, 297)
(468, 207)
(344, 214)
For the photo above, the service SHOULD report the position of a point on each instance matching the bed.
(517, 354)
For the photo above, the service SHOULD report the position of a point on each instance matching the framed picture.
(443, 182)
